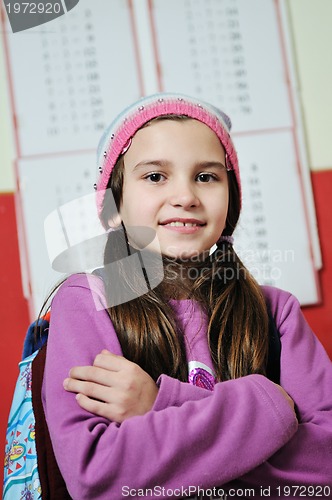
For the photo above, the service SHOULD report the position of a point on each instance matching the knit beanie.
(117, 137)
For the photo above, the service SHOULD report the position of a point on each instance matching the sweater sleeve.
(190, 437)
(306, 374)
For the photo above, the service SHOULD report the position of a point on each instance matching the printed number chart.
(71, 76)
(238, 55)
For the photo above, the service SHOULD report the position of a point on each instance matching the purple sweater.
(243, 434)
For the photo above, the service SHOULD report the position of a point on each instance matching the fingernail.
(65, 383)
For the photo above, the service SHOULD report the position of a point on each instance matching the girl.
(172, 397)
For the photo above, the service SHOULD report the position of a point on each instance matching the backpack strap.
(36, 336)
(274, 353)
(52, 484)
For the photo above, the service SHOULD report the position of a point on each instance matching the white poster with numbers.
(71, 76)
(229, 54)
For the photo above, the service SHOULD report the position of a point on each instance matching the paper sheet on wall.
(70, 78)
(72, 178)
(273, 243)
(229, 55)
(70, 81)
(316, 97)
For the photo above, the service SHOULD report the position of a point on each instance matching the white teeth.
(182, 224)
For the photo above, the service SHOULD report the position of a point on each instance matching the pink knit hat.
(117, 137)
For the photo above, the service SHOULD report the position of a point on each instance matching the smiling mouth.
(183, 224)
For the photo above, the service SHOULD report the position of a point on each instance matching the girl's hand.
(113, 388)
(287, 397)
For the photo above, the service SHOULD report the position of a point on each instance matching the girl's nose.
(184, 195)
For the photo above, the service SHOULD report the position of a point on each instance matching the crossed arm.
(117, 389)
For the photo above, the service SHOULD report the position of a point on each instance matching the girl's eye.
(155, 177)
(204, 177)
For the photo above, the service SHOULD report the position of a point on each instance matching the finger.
(106, 410)
(73, 385)
(93, 374)
(286, 396)
(109, 353)
(110, 361)
(90, 389)
(96, 407)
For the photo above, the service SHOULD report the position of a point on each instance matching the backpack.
(31, 471)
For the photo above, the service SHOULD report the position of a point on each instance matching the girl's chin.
(185, 255)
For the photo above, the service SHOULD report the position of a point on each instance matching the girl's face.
(175, 182)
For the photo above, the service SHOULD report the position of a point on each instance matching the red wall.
(320, 316)
(14, 310)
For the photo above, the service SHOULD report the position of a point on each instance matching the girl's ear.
(115, 221)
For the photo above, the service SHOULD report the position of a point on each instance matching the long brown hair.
(238, 321)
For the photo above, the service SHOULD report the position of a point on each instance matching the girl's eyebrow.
(157, 163)
(166, 163)
(211, 164)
